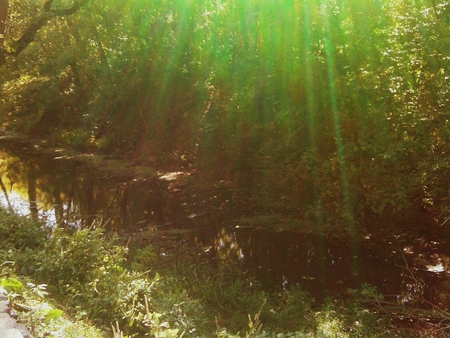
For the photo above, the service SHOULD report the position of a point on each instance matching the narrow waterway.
(75, 191)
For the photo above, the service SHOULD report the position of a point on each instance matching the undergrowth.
(86, 283)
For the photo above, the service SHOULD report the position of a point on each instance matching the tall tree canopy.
(338, 109)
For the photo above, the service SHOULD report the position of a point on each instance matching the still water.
(72, 191)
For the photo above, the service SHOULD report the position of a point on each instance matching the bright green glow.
(330, 57)
(348, 203)
(267, 60)
(336, 89)
(293, 75)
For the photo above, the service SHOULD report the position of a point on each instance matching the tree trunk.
(4, 5)
(32, 194)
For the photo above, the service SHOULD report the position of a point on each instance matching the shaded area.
(407, 264)
(331, 111)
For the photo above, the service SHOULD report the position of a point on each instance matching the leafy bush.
(86, 271)
(18, 234)
(86, 268)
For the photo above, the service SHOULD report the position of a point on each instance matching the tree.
(28, 36)
(3, 15)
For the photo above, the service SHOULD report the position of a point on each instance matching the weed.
(91, 274)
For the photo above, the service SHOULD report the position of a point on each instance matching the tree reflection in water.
(406, 267)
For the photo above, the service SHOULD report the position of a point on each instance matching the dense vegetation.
(85, 283)
(336, 111)
(332, 112)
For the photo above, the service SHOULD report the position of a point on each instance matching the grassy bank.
(85, 283)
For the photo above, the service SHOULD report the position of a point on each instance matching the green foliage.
(142, 259)
(339, 113)
(338, 320)
(53, 314)
(19, 235)
(287, 308)
(39, 314)
(85, 271)
(371, 292)
(11, 285)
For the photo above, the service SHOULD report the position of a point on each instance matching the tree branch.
(48, 5)
(76, 6)
(35, 25)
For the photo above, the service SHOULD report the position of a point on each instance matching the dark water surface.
(65, 190)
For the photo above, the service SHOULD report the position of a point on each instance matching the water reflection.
(404, 265)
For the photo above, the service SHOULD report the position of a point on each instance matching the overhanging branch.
(16, 47)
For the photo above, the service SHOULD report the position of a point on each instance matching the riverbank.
(197, 245)
(37, 146)
(118, 291)
(87, 272)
